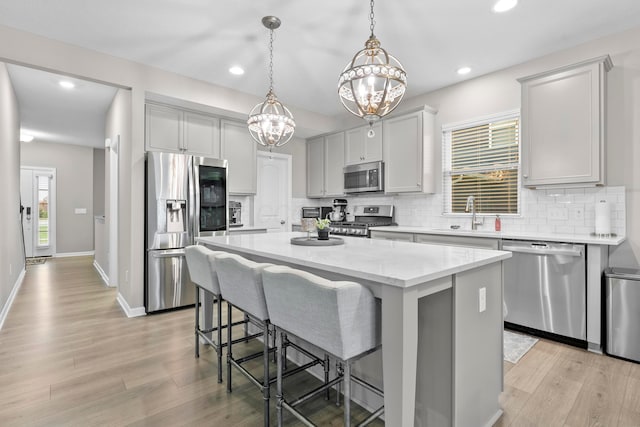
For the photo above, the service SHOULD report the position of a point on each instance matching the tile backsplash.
(559, 211)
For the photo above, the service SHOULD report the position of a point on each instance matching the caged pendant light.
(270, 122)
(373, 83)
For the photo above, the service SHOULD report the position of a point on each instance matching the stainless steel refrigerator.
(186, 197)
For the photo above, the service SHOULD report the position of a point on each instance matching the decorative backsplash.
(561, 211)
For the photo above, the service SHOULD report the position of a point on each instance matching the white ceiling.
(203, 38)
(53, 114)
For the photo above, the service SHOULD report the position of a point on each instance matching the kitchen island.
(441, 319)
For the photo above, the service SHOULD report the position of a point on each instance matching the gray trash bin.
(622, 287)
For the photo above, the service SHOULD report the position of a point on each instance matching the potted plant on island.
(322, 225)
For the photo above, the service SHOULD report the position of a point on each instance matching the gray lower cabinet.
(391, 235)
(438, 239)
(470, 242)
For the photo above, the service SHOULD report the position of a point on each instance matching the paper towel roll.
(603, 218)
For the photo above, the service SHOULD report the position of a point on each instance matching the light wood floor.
(69, 356)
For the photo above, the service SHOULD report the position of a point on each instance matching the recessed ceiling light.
(236, 70)
(464, 70)
(67, 84)
(25, 137)
(504, 5)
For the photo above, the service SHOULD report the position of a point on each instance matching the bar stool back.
(337, 316)
(200, 262)
(241, 286)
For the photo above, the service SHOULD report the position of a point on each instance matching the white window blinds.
(482, 159)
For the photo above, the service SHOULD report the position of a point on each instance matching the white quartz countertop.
(550, 237)
(401, 264)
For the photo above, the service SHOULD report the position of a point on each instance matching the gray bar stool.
(241, 286)
(200, 262)
(338, 317)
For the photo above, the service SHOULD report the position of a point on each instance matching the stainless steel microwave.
(316, 212)
(364, 178)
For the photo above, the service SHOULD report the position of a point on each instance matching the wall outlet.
(577, 213)
(558, 213)
(482, 300)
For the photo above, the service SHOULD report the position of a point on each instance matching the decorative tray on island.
(313, 241)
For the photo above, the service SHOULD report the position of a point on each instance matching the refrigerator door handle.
(171, 253)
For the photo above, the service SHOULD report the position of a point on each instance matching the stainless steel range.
(365, 218)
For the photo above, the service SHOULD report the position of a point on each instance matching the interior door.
(37, 192)
(272, 203)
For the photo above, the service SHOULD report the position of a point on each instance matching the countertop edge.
(571, 238)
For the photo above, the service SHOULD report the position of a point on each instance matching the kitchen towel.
(603, 218)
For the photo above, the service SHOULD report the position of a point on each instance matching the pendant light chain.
(371, 18)
(271, 60)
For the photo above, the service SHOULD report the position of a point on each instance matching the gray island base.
(441, 314)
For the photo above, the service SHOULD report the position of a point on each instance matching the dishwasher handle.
(542, 249)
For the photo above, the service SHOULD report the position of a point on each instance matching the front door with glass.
(37, 192)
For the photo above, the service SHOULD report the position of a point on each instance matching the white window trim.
(446, 159)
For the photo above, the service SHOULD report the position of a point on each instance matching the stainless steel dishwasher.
(545, 288)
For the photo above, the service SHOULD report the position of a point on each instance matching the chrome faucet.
(471, 205)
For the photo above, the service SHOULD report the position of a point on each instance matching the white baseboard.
(101, 272)
(16, 287)
(130, 312)
(70, 254)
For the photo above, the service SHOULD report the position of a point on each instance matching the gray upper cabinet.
(359, 148)
(408, 152)
(163, 128)
(175, 130)
(201, 134)
(240, 150)
(563, 125)
(325, 163)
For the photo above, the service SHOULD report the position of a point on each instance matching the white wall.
(74, 189)
(98, 181)
(11, 252)
(118, 130)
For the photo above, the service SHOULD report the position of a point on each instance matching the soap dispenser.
(498, 223)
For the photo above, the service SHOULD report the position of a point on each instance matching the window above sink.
(481, 158)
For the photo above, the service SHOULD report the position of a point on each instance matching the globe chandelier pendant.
(270, 123)
(373, 83)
